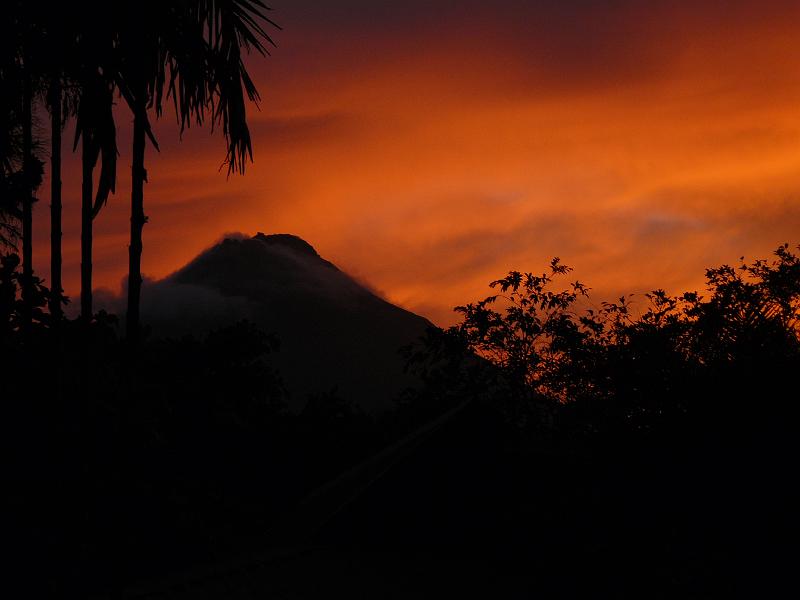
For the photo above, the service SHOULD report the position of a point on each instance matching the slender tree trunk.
(138, 219)
(86, 232)
(55, 200)
(27, 202)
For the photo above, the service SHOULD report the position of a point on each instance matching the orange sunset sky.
(428, 147)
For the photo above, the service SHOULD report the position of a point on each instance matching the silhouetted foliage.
(11, 309)
(646, 447)
(78, 58)
(549, 362)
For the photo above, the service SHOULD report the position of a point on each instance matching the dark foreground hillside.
(545, 452)
(465, 513)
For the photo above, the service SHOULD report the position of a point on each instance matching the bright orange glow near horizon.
(428, 151)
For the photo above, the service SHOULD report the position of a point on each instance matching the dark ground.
(465, 514)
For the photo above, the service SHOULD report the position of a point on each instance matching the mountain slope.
(334, 333)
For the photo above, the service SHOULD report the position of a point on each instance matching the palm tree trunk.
(27, 202)
(86, 232)
(55, 200)
(138, 219)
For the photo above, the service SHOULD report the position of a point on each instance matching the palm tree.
(233, 26)
(72, 42)
(59, 58)
(140, 74)
(56, 289)
(28, 197)
(33, 45)
(96, 130)
(53, 52)
(193, 54)
(77, 41)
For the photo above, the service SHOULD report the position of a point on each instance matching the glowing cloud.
(427, 151)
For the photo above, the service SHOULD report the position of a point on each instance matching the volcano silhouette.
(334, 333)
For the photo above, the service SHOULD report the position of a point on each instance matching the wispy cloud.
(430, 148)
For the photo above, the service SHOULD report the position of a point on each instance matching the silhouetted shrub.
(548, 364)
(10, 302)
